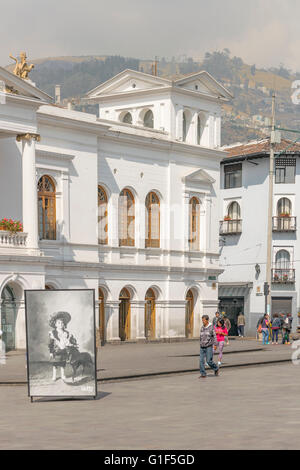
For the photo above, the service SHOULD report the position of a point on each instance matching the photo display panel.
(61, 347)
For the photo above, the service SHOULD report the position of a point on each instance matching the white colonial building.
(125, 204)
(243, 231)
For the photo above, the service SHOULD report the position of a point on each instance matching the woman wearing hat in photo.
(60, 339)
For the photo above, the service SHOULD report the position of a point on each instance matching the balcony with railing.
(283, 276)
(284, 224)
(230, 227)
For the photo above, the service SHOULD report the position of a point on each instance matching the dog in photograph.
(77, 359)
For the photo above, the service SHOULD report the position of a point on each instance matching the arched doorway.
(150, 314)
(189, 314)
(101, 299)
(124, 315)
(8, 317)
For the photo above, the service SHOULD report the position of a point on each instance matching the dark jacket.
(276, 323)
(208, 337)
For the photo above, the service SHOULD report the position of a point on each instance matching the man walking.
(208, 341)
(241, 324)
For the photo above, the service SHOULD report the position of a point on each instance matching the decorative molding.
(28, 137)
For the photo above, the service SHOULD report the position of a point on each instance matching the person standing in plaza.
(276, 325)
(216, 318)
(286, 329)
(208, 341)
(265, 328)
(228, 326)
(221, 332)
(241, 324)
(2, 350)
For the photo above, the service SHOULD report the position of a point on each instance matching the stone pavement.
(136, 360)
(244, 408)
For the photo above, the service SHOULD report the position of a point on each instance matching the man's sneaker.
(219, 363)
(202, 377)
(217, 372)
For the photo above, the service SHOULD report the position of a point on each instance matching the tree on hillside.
(218, 64)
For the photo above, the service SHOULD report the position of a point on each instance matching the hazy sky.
(264, 32)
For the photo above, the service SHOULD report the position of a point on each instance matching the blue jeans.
(207, 353)
(241, 330)
(275, 335)
(265, 338)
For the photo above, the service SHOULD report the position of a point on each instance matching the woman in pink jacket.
(221, 332)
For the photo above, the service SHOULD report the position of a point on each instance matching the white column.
(137, 319)
(112, 320)
(29, 196)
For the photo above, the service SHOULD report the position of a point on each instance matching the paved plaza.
(131, 360)
(245, 408)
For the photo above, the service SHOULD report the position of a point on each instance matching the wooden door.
(124, 315)
(189, 315)
(150, 314)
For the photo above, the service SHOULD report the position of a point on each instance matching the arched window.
(200, 128)
(101, 299)
(46, 208)
(184, 127)
(102, 216)
(8, 317)
(127, 118)
(126, 218)
(49, 287)
(194, 224)
(189, 314)
(234, 211)
(152, 221)
(282, 259)
(284, 207)
(150, 314)
(124, 315)
(148, 119)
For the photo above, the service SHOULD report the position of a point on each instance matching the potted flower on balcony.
(276, 277)
(285, 277)
(284, 214)
(226, 218)
(11, 225)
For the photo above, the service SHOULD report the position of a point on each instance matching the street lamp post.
(270, 210)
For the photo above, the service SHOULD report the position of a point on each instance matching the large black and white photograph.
(61, 353)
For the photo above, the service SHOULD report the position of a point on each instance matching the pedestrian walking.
(208, 341)
(276, 325)
(265, 328)
(228, 326)
(221, 332)
(241, 324)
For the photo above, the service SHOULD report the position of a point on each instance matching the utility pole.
(270, 212)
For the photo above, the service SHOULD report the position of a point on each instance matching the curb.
(162, 374)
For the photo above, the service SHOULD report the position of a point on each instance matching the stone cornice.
(163, 144)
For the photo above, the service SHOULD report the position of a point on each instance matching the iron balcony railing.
(230, 227)
(283, 276)
(284, 224)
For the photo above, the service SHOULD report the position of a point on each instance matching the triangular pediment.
(129, 81)
(204, 83)
(14, 85)
(200, 176)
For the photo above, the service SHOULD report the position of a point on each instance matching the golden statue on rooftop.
(22, 69)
